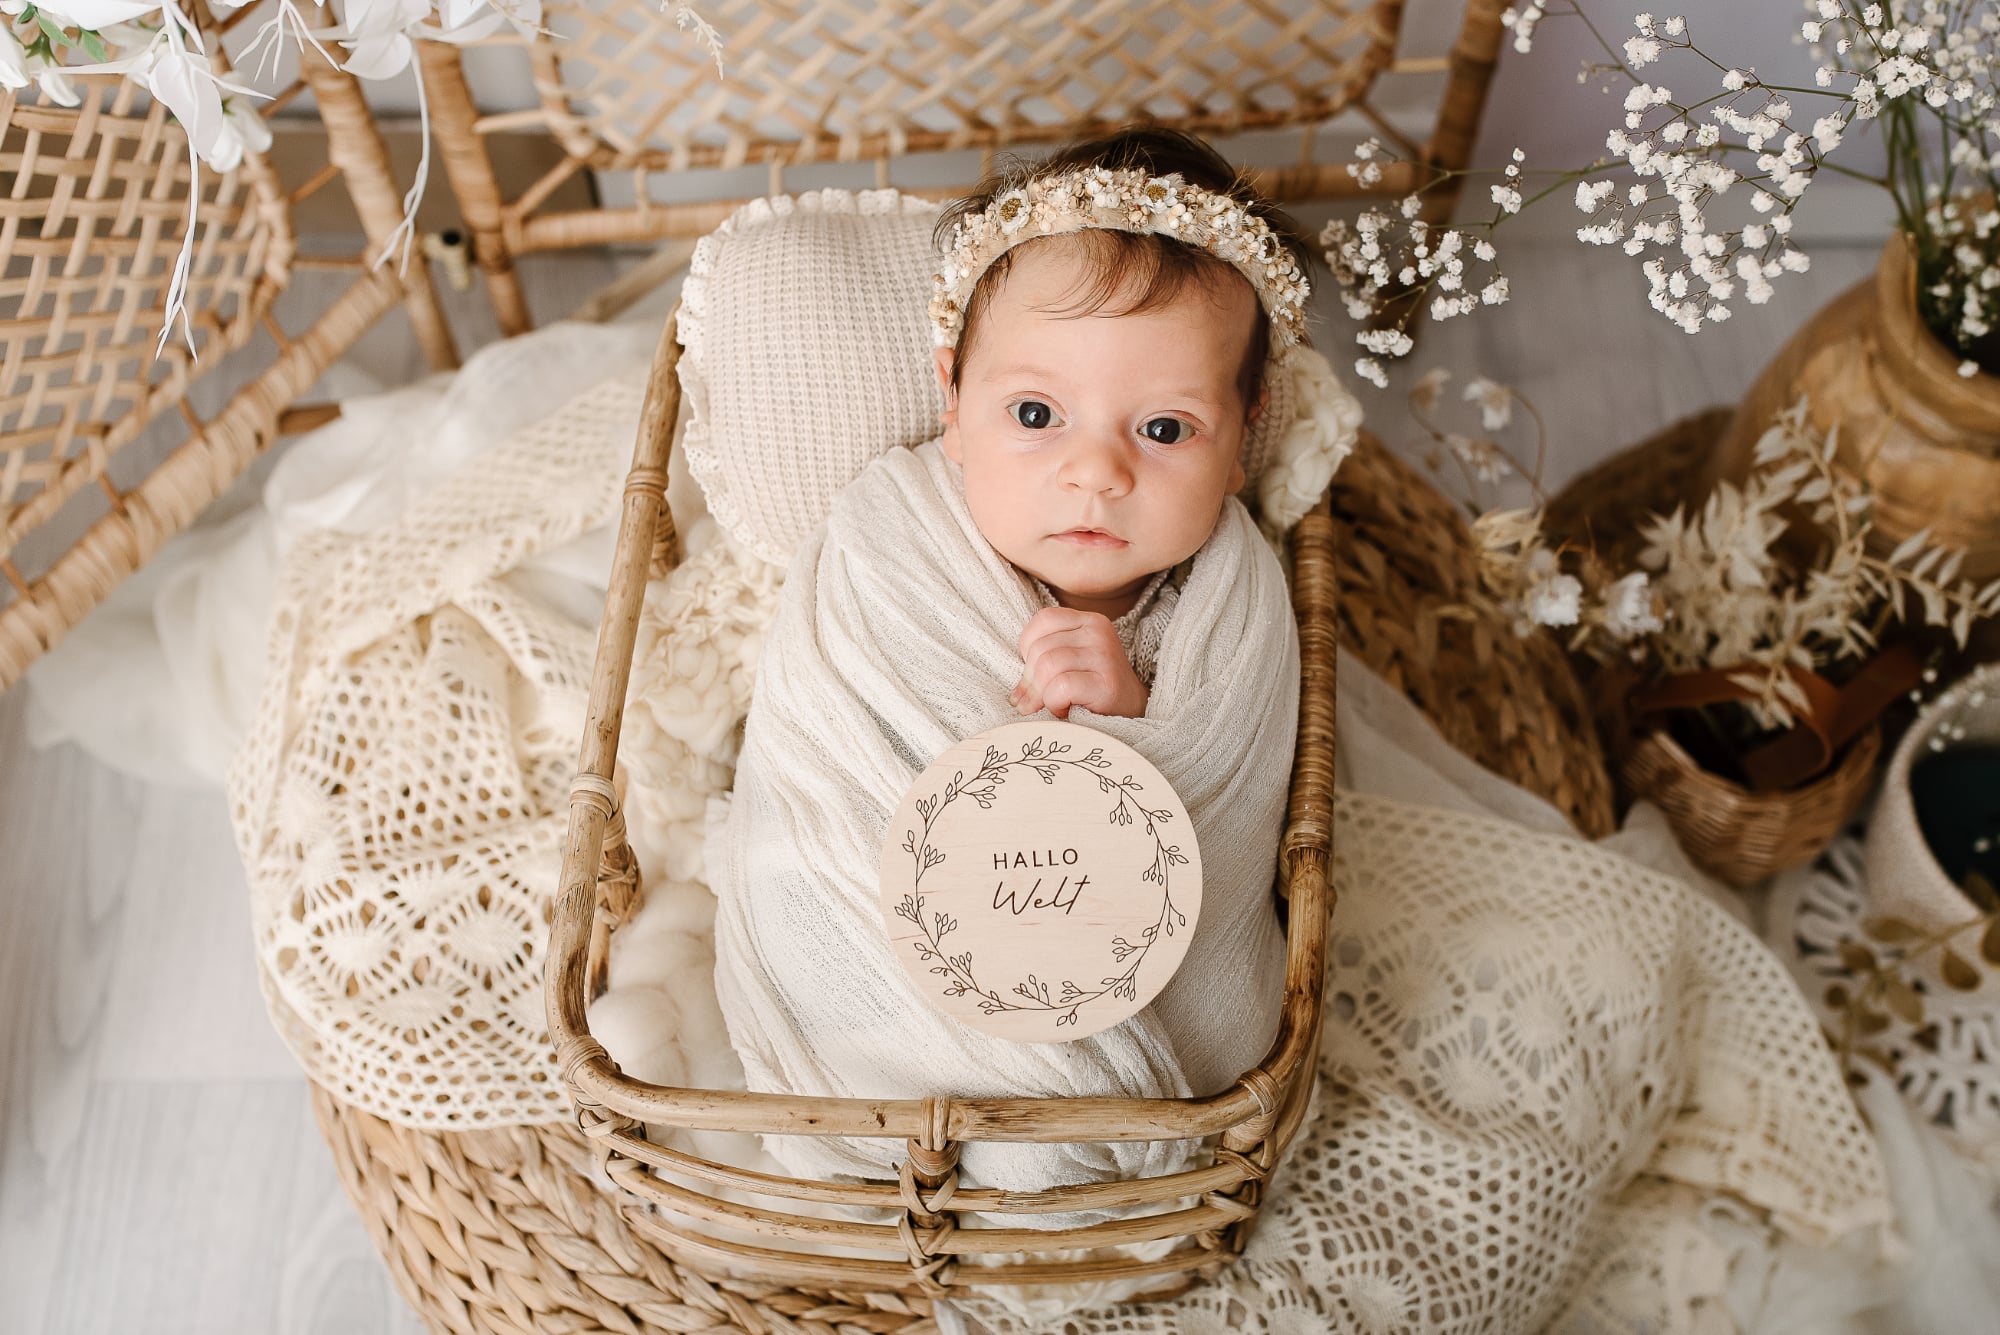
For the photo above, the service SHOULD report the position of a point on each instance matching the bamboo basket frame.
(611, 120)
(95, 213)
(921, 1251)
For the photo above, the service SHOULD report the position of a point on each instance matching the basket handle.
(648, 546)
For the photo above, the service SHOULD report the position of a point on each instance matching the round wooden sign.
(1040, 881)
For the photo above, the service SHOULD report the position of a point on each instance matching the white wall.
(1537, 105)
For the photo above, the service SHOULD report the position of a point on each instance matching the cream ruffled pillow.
(807, 352)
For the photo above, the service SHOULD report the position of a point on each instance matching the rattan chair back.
(633, 98)
(106, 449)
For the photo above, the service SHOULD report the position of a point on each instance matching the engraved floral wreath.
(1045, 759)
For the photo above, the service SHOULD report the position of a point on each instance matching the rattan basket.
(1734, 834)
(923, 1249)
(105, 450)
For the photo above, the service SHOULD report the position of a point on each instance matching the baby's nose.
(1099, 465)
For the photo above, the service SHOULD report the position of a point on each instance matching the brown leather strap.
(1791, 759)
(1831, 717)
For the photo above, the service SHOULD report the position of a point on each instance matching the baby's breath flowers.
(1394, 261)
(1701, 186)
(1482, 460)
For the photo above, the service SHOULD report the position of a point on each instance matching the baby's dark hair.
(1111, 254)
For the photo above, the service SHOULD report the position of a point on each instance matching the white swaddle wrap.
(895, 638)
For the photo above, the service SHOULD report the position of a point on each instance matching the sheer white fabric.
(895, 638)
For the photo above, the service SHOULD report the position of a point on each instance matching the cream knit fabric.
(806, 354)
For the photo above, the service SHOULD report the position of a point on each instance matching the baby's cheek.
(1000, 512)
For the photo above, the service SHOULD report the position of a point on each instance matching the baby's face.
(1098, 449)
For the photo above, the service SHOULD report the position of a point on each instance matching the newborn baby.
(1096, 449)
(1072, 544)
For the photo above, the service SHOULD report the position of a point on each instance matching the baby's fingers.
(1078, 686)
(1055, 623)
(1027, 696)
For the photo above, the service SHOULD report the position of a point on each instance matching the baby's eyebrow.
(1007, 371)
(1199, 398)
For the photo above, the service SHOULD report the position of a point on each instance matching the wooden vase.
(1924, 438)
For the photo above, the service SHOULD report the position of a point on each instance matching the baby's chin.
(1093, 574)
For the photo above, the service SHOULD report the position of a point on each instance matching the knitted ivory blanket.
(895, 638)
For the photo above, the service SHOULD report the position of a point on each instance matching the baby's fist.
(1074, 658)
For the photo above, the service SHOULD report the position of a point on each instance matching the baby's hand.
(1074, 658)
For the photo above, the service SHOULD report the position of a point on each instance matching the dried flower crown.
(1126, 199)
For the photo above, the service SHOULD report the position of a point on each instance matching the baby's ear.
(942, 359)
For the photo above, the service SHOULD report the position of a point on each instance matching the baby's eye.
(1167, 430)
(1031, 413)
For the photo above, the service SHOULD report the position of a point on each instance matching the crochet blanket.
(895, 638)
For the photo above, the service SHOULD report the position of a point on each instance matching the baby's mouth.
(1091, 537)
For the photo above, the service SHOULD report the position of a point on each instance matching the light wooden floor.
(159, 1168)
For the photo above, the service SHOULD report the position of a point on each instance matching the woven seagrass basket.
(512, 1229)
(1734, 834)
(91, 479)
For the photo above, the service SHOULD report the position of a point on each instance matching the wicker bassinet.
(106, 451)
(512, 1229)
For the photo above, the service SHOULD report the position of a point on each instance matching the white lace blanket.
(1500, 995)
(1546, 1069)
(895, 638)
(399, 799)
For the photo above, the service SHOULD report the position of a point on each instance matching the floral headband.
(1129, 200)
